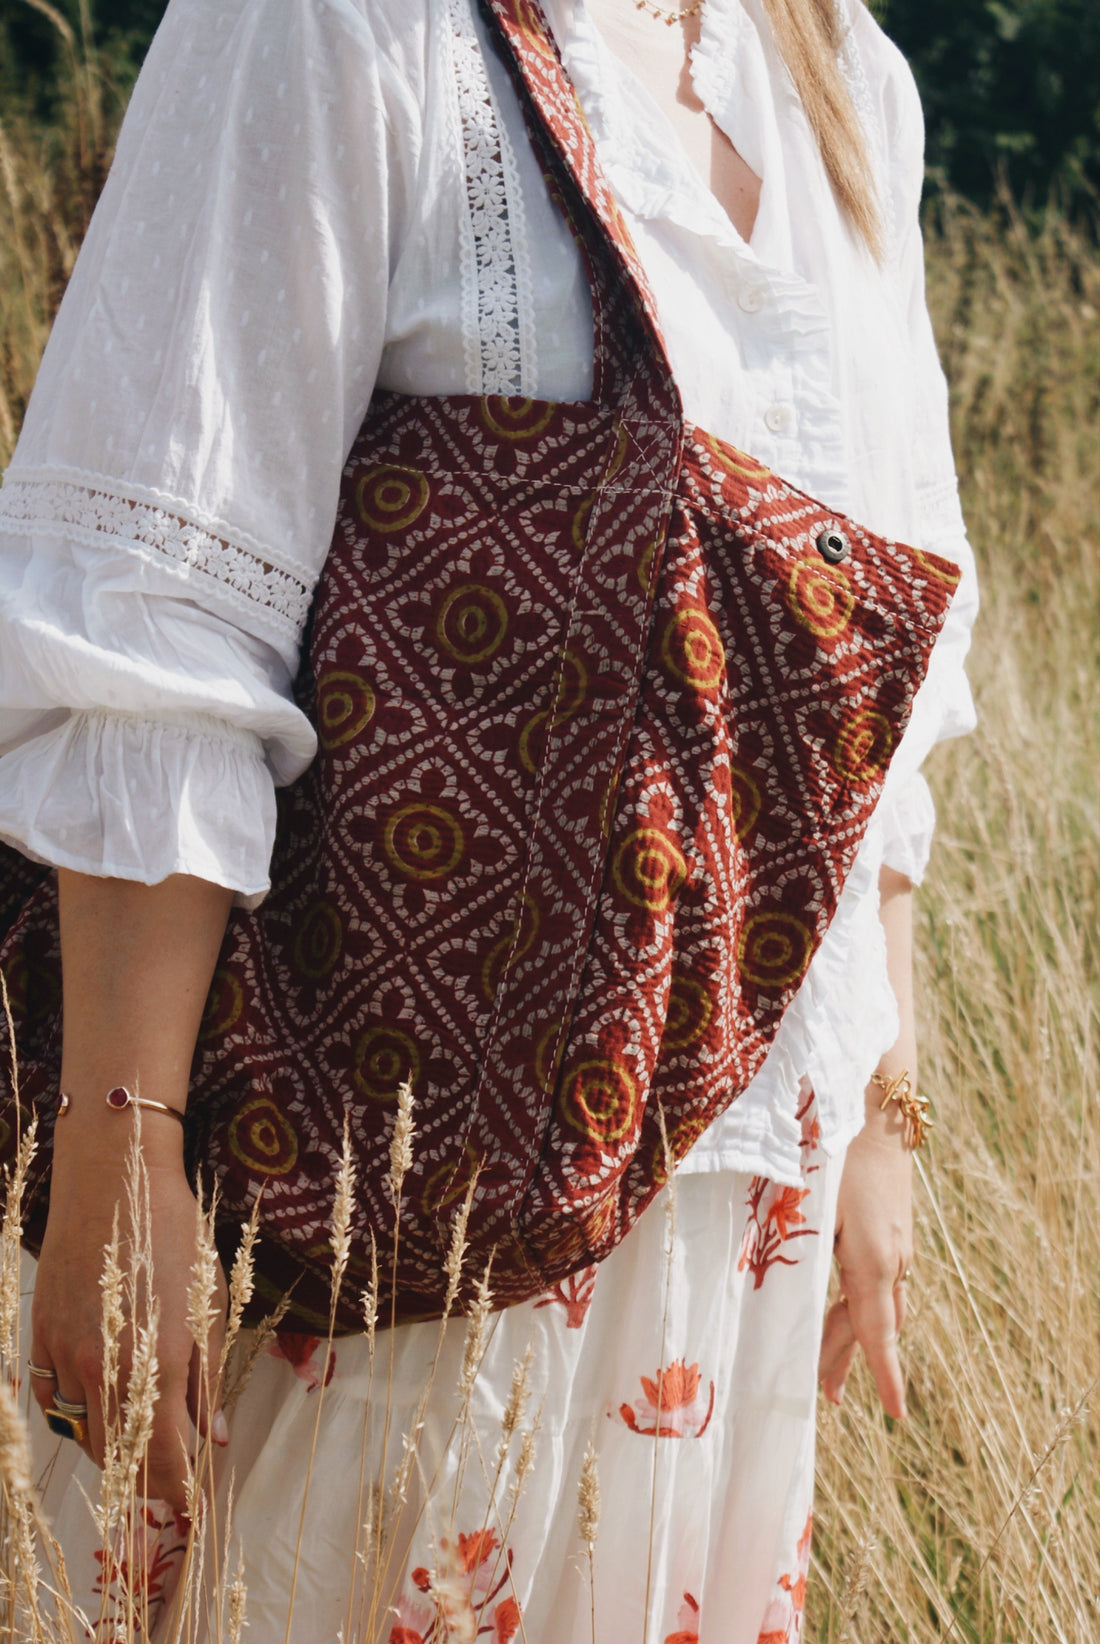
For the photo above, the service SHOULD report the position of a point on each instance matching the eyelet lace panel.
(88, 509)
(497, 323)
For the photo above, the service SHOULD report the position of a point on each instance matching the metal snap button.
(833, 546)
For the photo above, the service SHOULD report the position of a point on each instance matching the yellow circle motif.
(423, 842)
(345, 706)
(390, 497)
(690, 1009)
(691, 650)
(318, 941)
(774, 949)
(448, 1184)
(547, 1058)
(513, 418)
(821, 601)
(746, 802)
(579, 527)
(864, 746)
(572, 687)
(509, 947)
(224, 1004)
(471, 623)
(649, 869)
(385, 1059)
(262, 1139)
(942, 570)
(601, 1099)
(735, 462)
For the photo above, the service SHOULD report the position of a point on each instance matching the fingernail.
(219, 1428)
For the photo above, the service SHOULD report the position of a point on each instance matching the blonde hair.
(809, 35)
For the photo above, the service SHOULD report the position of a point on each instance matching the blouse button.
(752, 298)
(832, 545)
(778, 418)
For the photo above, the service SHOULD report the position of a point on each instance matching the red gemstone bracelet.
(120, 1098)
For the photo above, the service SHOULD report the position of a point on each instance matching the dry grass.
(977, 1519)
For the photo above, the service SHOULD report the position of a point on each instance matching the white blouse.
(314, 197)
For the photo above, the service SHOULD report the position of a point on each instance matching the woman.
(312, 200)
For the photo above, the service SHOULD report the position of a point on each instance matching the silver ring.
(70, 1407)
(41, 1371)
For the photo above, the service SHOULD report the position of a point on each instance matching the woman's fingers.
(168, 1457)
(871, 1321)
(838, 1350)
(67, 1385)
(874, 1315)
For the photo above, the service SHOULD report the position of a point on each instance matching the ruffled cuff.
(120, 796)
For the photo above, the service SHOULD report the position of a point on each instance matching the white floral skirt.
(687, 1361)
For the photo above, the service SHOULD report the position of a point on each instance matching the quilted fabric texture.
(602, 725)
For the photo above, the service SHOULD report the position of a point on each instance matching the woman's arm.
(874, 1229)
(137, 962)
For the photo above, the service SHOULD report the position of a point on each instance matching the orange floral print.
(143, 1566)
(775, 1217)
(672, 1405)
(461, 1595)
(687, 1622)
(306, 1355)
(574, 1294)
(783, 1617)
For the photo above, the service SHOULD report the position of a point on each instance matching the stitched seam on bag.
(97, 514)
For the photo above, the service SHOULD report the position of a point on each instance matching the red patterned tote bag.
(604, 708)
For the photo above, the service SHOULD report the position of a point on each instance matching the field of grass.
(978, 1519)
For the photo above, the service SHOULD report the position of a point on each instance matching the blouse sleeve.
(944, 706)
(171, 499)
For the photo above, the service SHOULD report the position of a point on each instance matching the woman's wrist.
(92, 1136)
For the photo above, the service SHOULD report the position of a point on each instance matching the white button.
(779, 418)
(752, 298)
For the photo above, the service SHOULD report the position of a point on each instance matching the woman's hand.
(874, 1247)
(136, 967)
(67, 1313)
(874, 1224)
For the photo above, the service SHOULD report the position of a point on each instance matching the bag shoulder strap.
(560, 130)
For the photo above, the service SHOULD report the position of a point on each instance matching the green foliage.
(1011, 92)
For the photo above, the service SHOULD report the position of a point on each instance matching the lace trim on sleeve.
(498, 329)
(96, 512)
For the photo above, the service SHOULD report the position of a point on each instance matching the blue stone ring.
(68, 1419)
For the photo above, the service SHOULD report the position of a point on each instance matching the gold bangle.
(119, 1099)
(914, 1107)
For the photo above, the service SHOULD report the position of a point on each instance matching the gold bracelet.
(120, 1099)
(899, 1089)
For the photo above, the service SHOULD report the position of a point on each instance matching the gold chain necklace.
(663, 14)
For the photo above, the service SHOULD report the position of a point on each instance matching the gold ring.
(41, 1370)
(71, 1427)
